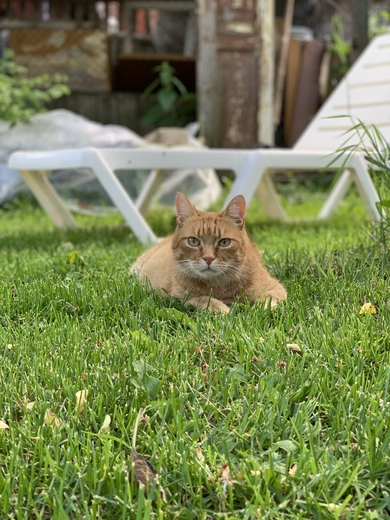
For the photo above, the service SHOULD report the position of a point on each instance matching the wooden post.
(266, 60)
(360, 27)
(282, 62)
(207, 73)
(128, 14)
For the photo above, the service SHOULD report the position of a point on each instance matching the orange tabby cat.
(209, 261)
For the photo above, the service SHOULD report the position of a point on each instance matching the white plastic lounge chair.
(363, 94)
(248, 165)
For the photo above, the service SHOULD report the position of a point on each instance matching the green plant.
(378, 23)
(376, 152)
(340, 49)
(174, 106)
(22, 96)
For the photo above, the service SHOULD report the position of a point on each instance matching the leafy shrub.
(22, 96)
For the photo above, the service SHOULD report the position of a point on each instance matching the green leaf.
(147, 383)
(286, 445)
(140, 337)
(167, 99)
(385, 203)
(238, 372)
(152, 115)
(151, 385)
(174, 315)
(142, 368)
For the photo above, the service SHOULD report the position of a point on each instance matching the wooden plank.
(55, 25)
(88, 105)
(282, 64)
(128, 115)
(37, 10)
(360, 27)
(23, 9)
(266, 72)
(169, 5)
(66, 6)
(8, 9)
(307, 102)
(72, 103)
(120, 108)
(292, 80)
(208, 97)
(154, 57)
(104, 109)
(79, 11)
(92, 15)
(129, 26)
(238, 92)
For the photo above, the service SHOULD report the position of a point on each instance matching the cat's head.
(210, 246)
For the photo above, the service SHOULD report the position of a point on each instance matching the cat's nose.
(208, 259)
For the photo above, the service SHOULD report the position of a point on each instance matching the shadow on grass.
(49, 239)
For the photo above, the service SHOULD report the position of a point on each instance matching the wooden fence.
(120, 108)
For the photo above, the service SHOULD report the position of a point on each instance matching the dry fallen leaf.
(144, 419)
(51, 419)
(294, 347)
(144, 473)
(3, 425)
(30, 406)
(199, 454)
(225, 478)
(81, 397)
(293, 470)
(105, 427)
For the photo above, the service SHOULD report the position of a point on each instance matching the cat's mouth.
(209, 271)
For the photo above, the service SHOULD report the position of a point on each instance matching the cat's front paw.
(207, 303)
(219, 306)
(270, 301)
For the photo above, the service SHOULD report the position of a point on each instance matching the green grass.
(304, 435)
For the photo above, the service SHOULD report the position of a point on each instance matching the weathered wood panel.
(119, 108)
(238, 80)
(229, 73)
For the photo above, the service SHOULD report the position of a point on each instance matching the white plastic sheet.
(62, 129)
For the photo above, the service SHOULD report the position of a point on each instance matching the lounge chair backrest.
(363, 94)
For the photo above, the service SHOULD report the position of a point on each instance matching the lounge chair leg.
(366, 188)
(149, 189)
(48, 198)
(336, 195)
(270, 199)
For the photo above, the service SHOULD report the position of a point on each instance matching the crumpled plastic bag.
(63, 129)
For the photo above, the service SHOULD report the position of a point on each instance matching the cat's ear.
(184, 208)
(236, 210)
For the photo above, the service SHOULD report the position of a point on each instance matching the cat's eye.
(192, 241)
(225, 242)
